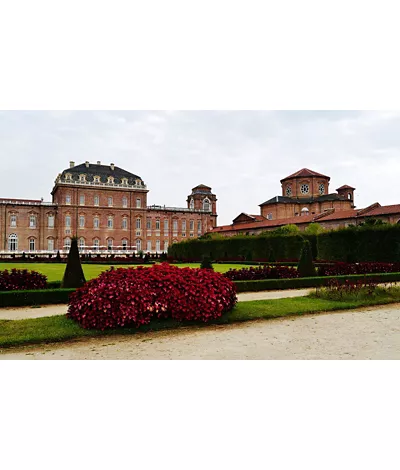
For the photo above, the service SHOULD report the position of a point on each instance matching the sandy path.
(370, 333)
(21, 313)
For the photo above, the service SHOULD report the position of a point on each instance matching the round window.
(304, 189)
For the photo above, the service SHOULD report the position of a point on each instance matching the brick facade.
(106, 208)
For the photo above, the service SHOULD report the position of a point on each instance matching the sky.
(242, 155)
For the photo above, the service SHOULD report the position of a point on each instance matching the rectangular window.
(50, 244)
(191, 225)
(31, 244)
(148, 224)
(138, 203)
(124, 223)
(109, 244)
(183, 225)
(158, 246)
(96, 200)
(110, 202)
(138, 245)
(32, 221)
(124, 244)
(81, 221)
(165, 225)
(68, 221)
(157, 224)
(68, 199)
(50, 221)
(110, 222)
(96, 244)
(124, 202)
(81, 200)
(148, 245)
(175, 226)
(138, 223)
(13, 221)
(199, 226)
(165, 246)
(96, 222)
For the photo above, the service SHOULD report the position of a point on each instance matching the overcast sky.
(242, 155)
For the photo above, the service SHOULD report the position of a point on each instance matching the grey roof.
(104, 171)
(304, 200)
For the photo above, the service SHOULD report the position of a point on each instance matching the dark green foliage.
(163, 256)
(73, 276)
(58, 257)
(21, 298)
(305, 282)
(206, 263)
(306, 267)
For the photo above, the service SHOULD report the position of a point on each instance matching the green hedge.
(304, 282)
(23, 298)
(358, 244)
(353, 244)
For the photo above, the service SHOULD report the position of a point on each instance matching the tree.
(287, 229)
(314, 229)
(73, 276)
(306, 265)
(206, 263)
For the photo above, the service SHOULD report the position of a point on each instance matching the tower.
(203, 200)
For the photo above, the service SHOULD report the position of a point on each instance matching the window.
(138, 223)
(199, 226)
(50, 221)
(81, 243)
(148, 223)
(124, 223)
(158, 246)
(68, 221)
(138, 203)
(109, 244)
(13, 242)
(50, 244)
(321, 189)
(166, 225)
(124, 244)
(68, 199)
(192, 204)
(124, 181)
(81, 221)
(68, 176)
(82, 178)
(32, 221)
(96, 179)
(183, 225)
(191, 225)
(13, 221)
(124, 202)
(96, 222)
(67, 243)
(288, 190)
(96, 200)
(138, 245)
(206, 205)
(148, 245)
(110, 202)
(304, 189)
(165, 245)
(157, 224)
(110, 180)
(31, 244)
(304, 211)
(269, 216)
(349, 196)
(110, 222)
(81, 200)
(96, 244)
(175, 226)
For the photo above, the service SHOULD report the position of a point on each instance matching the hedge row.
(353, 244)
(34, 297)
(305, 282)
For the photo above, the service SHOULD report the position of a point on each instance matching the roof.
(383, 210)
(346, 186)
(304, 173)
(304, 200)
(347, 214)
(265, 224)
(251, 217)
(104, 171)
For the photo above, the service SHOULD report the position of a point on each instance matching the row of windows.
(13, 243)
(110, 245)
(97, 179)
(206, 204)
(32, 221)
(96, 201)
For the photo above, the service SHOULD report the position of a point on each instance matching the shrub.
(123, 297)
(206, 263)
(73, 276)
(358, 268)
(22, 298)
(22, 279)
(305, 267)
(261, 272)
(349, 290)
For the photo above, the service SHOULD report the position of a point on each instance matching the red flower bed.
(261, 272)
(22, 279)
(341, 269)
(133, 297)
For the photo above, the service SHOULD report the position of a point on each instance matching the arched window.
(124, 244)
(81, 243)
(349, 196)
(67, 243)
(110, 243)
(32, 244)
(305, 211)
(192, 204)
(206, 205)
(13, 242)
(96, 244)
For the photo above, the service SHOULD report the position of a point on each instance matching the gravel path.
(368, 333)
(21, 313)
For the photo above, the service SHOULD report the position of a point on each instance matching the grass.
(60, 328)
(55, 272)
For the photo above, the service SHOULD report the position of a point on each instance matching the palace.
(105, 207)
(306, 199)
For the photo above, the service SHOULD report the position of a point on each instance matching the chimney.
(112, 166)
(87, 164)
(98, 162)
(71, 164)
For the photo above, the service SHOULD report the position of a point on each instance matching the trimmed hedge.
(23, 298)
(305, 282)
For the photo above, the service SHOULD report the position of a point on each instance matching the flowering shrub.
(339, 269)
(133, 297)
(261, 272)
(349, 290)
(22, 279)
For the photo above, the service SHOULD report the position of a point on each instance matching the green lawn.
(60, 328)
(55, 272)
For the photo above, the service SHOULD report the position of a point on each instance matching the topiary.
(306, 266)
(206, 263)
(73, 275)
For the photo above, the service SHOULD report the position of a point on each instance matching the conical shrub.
(306, 266)
(73, 276)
